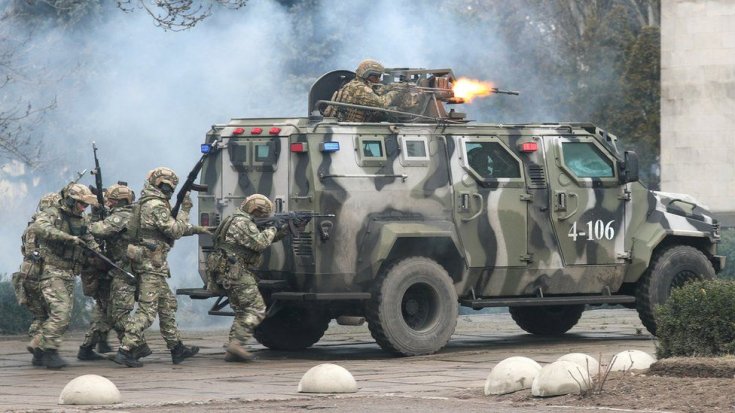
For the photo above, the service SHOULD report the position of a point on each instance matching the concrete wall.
(698, 102)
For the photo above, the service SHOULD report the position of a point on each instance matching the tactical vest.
(136, 232)
(232, 251)
(117, 244)
(63, 254)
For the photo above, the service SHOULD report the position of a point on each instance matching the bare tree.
(18, 115)
(178, 15)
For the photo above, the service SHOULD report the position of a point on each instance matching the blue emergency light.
(206, 148)
(329, 146)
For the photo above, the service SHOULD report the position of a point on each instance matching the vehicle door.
(588, 201)
(490, 210)
(255, 164)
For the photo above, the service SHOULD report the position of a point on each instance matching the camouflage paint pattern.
(505, 236)
(122, 302)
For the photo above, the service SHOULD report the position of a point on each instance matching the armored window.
(265, 155)
(490, 160)
(585, 160)
(238, 152)
(414, 151)
(372, 149)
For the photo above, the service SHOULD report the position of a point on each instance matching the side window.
(490, 160)
(585, 160)
(372, 149)
(414, 150)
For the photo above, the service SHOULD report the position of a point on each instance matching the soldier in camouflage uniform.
(61, 233)
(113, 229)
(100, 278)
(152, 230)
(238, 246)
(26, 281)
(359, 91)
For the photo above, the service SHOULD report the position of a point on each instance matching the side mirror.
(629, 168)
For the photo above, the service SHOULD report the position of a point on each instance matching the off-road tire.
(292, 328)
(414, 308)
(552, 320)
(670, 267)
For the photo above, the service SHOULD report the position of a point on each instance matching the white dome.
(327, 378)
(560, 377)
(632, 360)
(510, 375)
(585, 361)
(90, 389)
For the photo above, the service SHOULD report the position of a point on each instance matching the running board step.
(542, 301)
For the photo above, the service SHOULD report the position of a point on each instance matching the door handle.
(482, 207)
(576, 205)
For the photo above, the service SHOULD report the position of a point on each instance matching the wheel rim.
(418, 306)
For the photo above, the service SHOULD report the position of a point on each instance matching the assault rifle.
(293, 219)
(189, 184)
(109, 262)
(97, 172)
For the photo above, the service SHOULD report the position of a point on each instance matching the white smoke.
(147, 97)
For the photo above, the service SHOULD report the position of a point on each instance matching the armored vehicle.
(432, 211)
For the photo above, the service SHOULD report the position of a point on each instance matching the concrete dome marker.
(327, 378)
(90, 389)
(511, 375)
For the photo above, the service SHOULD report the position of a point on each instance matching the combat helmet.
(162, 175)
(368, 68)
(49, 200)
(258, 205)
(120, 193)
(78, 192)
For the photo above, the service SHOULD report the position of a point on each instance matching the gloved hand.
(186, 204)
(75, 240)
(196, 229)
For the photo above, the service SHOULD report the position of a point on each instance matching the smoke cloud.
(147, 97)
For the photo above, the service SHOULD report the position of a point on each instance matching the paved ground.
(439, 382)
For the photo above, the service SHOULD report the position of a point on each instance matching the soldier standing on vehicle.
(238, 245)
(61, 233)
(26, 281)
(153, 230)
(359, 91)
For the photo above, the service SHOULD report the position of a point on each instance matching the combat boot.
(126, 358)
(37, 357)
(142, 351)
(236, 349)
(52, 360)
(86, 353)
(181, 352)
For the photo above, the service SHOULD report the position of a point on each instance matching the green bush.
(15, 319)
(697, 320)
